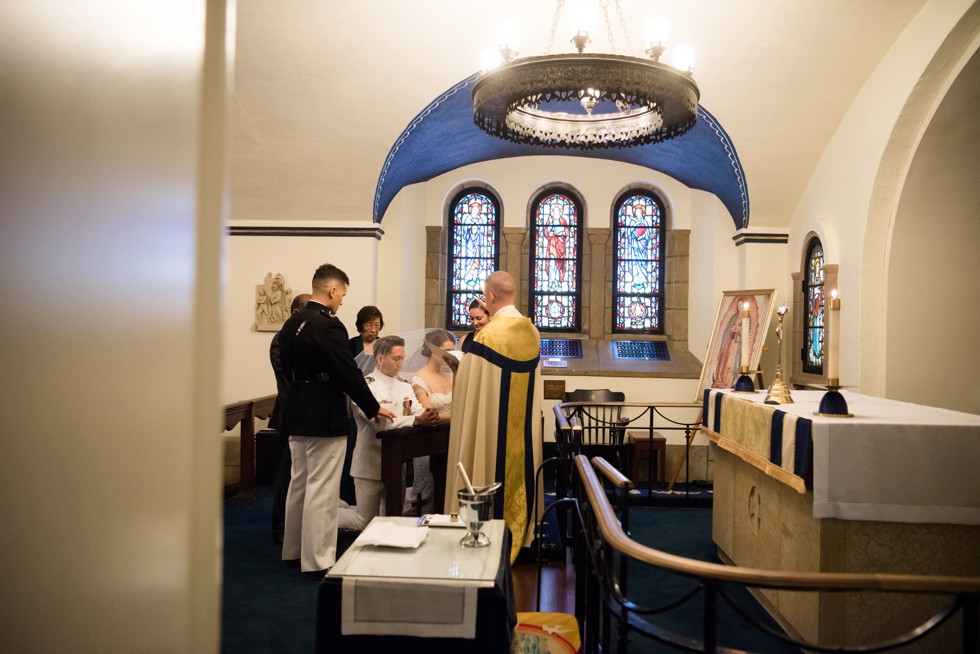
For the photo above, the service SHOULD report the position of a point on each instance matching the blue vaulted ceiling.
(443, 137)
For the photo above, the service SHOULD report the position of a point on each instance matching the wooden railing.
(243, 415)
(605, 542)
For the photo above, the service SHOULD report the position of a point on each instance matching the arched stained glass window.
(638, 255)
(813, 301)
(472, 252)
(556, 262)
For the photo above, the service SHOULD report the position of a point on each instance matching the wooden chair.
(599, 429)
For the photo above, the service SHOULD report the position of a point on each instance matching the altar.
(893, 489)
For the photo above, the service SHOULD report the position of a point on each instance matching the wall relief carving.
(272, 300)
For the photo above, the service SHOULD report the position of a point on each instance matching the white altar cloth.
(893, 461)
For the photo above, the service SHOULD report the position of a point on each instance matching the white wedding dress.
(422, 484)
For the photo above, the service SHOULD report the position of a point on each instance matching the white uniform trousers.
(312, 501)
(370, 503)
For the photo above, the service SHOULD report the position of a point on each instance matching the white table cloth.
(428, 591)
(892, 462)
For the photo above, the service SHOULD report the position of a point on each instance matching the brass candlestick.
(779, 391)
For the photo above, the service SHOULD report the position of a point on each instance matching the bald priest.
(495, 431)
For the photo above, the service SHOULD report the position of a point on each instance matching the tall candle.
(745, 336)
(832, 339)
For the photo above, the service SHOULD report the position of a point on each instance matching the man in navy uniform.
(317, 359)
(397, 395)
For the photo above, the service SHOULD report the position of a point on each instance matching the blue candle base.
(744, 384)
(833, 405)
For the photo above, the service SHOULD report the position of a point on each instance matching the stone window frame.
(448, 210)
(830, 278)
(437, 257)
(596, 264)
(658, 199)
(532, 206)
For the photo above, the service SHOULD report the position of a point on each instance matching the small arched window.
(556, 261)
(473, 251)
(813, 301)
(638, 256)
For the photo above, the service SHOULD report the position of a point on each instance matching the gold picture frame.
(723, 359)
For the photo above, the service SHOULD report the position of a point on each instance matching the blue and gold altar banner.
(776, 442)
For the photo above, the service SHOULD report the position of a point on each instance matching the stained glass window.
(473, 251)
(638, 254)
(813, 317)
(556, 262)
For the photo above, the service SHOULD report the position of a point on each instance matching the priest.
(495, 431)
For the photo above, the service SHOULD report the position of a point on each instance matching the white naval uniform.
(365, 465)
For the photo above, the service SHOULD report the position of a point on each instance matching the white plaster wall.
(835, 204)
(112, 187)
(933, 269)
(247, 371)
(763, 265)
(714, 267)
(599, 182)
(401, 262)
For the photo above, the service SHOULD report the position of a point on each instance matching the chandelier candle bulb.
(684, 58)
(581, 21)
(656, 33)
(508, 35)
(490, 59)
(833, 340)
(746, 323)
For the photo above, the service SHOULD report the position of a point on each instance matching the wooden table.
(400, 445)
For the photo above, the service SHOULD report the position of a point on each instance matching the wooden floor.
(557, 587)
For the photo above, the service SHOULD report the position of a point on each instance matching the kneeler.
(548, 633)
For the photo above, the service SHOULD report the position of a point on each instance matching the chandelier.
(585, 101)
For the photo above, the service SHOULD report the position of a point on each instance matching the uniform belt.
(311, 379)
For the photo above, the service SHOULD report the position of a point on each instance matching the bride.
(434, 390)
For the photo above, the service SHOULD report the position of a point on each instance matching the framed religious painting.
(722, 363)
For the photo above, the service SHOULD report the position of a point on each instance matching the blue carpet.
(687, 532)
(269, 607)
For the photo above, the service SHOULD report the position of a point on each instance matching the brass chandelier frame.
(655, 102)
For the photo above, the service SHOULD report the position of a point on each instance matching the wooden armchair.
(598, 427)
